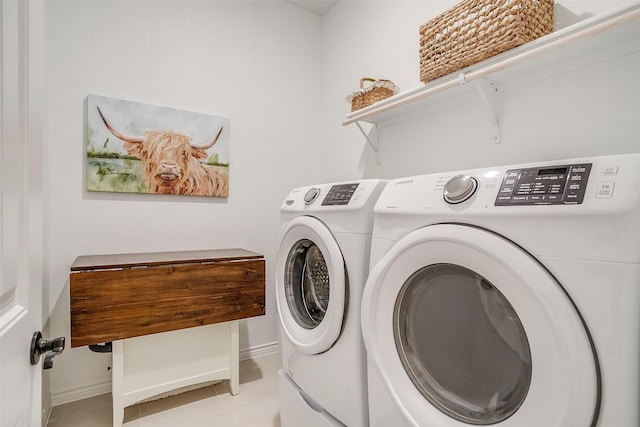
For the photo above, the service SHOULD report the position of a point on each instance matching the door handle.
(40, 346)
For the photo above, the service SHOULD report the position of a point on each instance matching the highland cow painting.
(139, 148)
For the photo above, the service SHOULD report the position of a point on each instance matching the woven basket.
(376, 91)
(474, 30)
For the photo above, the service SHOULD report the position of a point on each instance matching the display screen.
(553, 171)
(339, 194)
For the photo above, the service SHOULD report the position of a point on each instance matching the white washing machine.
(507, 296)
(321, 268)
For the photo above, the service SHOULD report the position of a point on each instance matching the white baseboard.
(259, 351)
(86, 391)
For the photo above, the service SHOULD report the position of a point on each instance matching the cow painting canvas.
(139, 148)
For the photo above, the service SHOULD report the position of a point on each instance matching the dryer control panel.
(548, 185)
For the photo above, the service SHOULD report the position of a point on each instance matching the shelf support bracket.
(373, 145)
(490, 96)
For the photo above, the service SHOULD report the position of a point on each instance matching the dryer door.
(465, 327)
(310, 285)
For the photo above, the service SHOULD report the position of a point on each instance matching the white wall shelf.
(591, 41)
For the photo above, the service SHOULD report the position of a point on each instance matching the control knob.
(460, 188)
(311, 195)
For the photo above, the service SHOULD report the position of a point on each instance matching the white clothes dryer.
(507, 296)
(321, 268)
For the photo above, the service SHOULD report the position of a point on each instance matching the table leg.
(117, 386)
(234, 380)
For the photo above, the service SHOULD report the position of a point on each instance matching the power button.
(605, 190)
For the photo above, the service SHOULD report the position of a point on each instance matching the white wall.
(281, 75)
(254, 62)
(587, 112)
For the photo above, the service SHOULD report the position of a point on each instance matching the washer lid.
(465, 327)
(310, 285)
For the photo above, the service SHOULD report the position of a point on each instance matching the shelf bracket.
(490, 96)
(373, 145)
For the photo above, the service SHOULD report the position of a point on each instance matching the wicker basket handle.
(365, 79)
(369, 79)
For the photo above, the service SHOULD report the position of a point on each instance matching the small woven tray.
(474, 30)
(376, 91)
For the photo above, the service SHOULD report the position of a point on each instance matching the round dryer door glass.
(462, 344)
(307, 284)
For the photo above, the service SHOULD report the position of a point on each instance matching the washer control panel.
(334, 196)
(339, 194)
(548, 185)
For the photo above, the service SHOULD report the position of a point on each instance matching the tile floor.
(257, 405)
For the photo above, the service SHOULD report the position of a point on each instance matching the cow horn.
(210, 144)
(131, 139)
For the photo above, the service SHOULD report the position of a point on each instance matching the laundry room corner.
(322, 196)
(247, 61)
